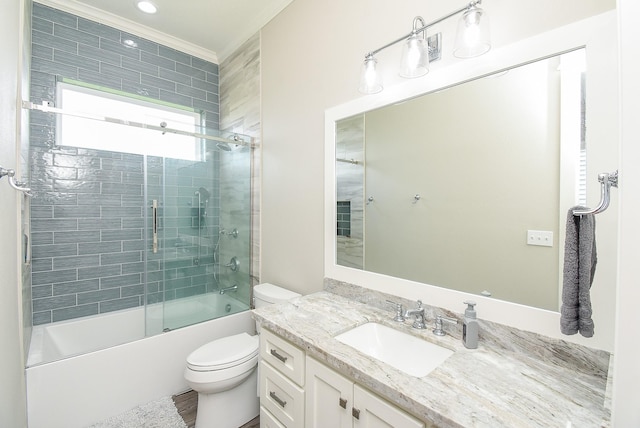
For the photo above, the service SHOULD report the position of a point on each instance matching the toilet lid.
(224, 353)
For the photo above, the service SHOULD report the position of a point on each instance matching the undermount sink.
(414, 356)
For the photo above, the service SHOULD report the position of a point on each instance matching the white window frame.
(101, 120)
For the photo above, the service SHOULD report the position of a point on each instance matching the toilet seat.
(224, 353)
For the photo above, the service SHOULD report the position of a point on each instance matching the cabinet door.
(329, 397)
(267, 420)
(281, 397)
(370, 411)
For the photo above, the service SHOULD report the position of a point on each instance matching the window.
(89, 129)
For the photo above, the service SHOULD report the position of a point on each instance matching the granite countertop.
(513, 379)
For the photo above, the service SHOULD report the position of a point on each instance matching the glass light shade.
(472, 38)
(415, 57)
(370, 79)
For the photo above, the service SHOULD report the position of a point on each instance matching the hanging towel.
(579, 267)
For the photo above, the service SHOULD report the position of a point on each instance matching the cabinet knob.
(343, 403)
(355, 413)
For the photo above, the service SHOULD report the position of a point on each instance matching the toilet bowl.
(224, 372)
(221, 373)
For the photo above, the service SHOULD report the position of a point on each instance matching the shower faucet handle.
(233, 233)
(234, 264)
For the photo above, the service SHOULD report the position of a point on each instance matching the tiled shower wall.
(240, 112)
(88, 213)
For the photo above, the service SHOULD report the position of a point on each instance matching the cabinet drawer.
(281, 397)
(282, 355)
(267, 420)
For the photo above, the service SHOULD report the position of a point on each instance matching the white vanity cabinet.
(333, 400)
(281, 381)
(297, 391)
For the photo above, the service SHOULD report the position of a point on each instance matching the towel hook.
(606, 181)
(18, 185)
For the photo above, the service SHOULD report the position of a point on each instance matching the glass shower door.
(233, 248)
(199, 214)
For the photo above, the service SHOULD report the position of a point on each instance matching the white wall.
(12, 388)
(311, 56)
(626, 413)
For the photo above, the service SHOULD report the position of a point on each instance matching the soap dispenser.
(470, 326)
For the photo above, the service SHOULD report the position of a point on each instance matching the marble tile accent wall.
(350, 140)
(88, 215)
(240, 112)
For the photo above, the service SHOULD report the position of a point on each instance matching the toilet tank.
(268, 294)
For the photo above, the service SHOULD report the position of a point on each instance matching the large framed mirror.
(462, 188)
(463, 184)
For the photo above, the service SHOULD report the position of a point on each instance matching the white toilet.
(224, 372)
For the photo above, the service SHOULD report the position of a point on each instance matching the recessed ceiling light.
(146, 6)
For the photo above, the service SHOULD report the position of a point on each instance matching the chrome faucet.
(233, 288)
(419, 314)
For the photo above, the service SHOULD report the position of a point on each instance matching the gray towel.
(579, 267)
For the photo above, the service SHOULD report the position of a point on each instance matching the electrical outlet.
(540, 237)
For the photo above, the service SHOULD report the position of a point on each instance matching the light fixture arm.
(473, 3)
(416, 30)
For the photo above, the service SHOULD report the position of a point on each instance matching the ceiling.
(216, 26)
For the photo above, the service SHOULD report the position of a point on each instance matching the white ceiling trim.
(94, 14)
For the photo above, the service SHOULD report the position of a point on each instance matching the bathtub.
(83, 371)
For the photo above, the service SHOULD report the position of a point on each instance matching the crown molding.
(95, 14)
(253, 25)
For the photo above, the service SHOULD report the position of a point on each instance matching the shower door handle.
(154, 227)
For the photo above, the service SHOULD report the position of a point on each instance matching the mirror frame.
(598, 35)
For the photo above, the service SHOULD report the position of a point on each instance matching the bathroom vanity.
(514, 378)
(302, 392)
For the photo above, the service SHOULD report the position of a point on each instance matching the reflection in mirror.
(452, 188)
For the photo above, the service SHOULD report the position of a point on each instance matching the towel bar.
(19, 186)
(606, 181)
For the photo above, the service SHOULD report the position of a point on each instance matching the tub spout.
(224, 290)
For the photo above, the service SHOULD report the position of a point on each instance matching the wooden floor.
(187, 405)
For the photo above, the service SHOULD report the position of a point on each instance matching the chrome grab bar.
(17, 185)
(606, 181)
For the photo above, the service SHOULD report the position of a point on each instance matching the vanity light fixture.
(415, 52)
(370, 79)
(472, 37)
(147, 6)
(418, 50)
